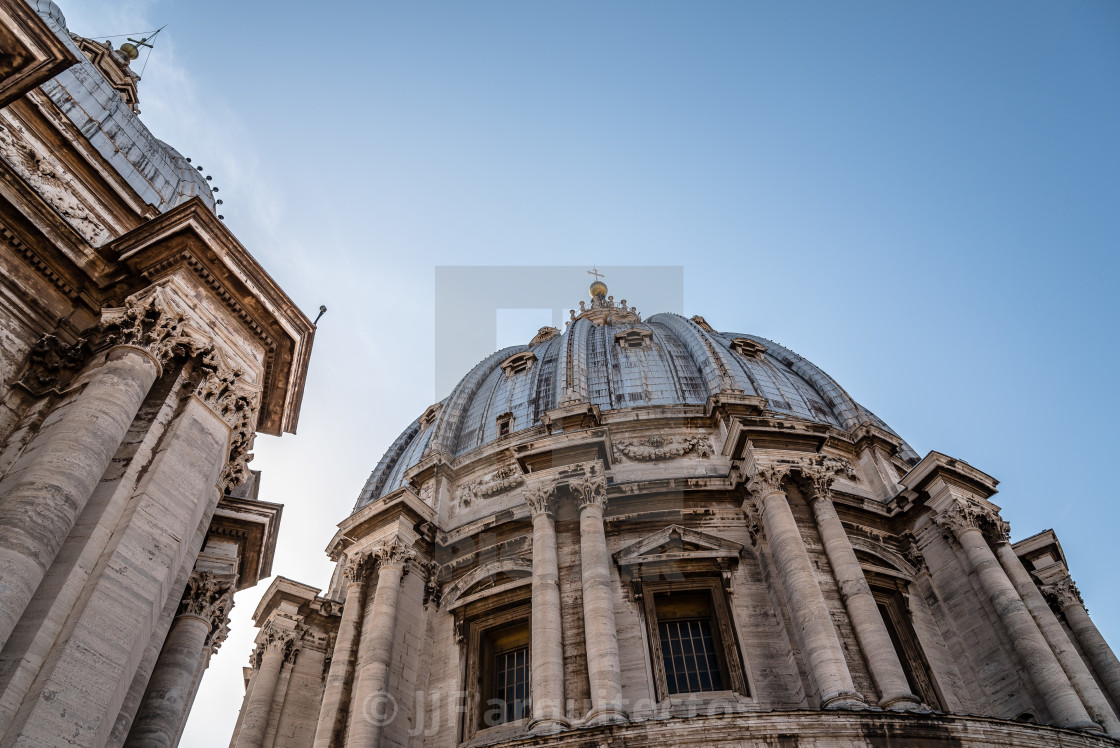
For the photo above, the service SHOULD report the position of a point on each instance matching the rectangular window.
(692, 638)
(690, 656)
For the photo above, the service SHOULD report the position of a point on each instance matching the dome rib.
(446, 431)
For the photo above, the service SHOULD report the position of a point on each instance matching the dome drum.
(580, 512)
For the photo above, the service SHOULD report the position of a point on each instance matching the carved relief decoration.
(603, 311)
(502, 480)
(51, 364)
(658, 447)
(433, 591)
(754, 525)
(223, 390)
(910, 550)
(51, 179)
(590, 488)
(543, 334)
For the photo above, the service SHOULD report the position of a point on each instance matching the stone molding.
(590, 488)
(658, 447)
(540, 498)
(51, 364)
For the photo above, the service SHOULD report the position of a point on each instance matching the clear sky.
(922, 198)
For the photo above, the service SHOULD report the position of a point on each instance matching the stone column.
(371, 705)
(160, 718)
(342, 660)
(820, 644)
(274, 644)
(46, 489)
(871, 631)
(1066, 597)
(1079, 676)
(600, 631)
(547, 645)
(963, 520)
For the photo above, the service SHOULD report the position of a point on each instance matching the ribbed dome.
(667, 360)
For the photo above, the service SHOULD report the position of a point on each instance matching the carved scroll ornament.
(1063, 594)
(51, 364)
(658, 447)
(502, 480)
(767, 479)
(223, 390)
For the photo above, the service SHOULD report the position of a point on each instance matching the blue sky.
(920, 198)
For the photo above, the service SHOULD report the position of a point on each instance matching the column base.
(610, 714)
(547, 725)
(843, 700)
(903, 702)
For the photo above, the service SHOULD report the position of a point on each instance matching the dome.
(611, 359)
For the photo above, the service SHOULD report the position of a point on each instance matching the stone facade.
(141, 349)
(649, 533)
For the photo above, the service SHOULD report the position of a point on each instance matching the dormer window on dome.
(748, 348)
(430, 414)
(634, 338)
(505, 424)
(518, 363)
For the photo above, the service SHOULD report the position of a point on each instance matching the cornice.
(37, 54)
(191, 236)
(937, 464)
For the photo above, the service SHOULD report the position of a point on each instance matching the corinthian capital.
(358, 568)
(539, 498)
(821, 472)
(1063, 594)
(223, 390)
(151, 323)
(590, 488)
(767, 479)
(962, 515)
(208, 597)
(274, 639)
(393, 554)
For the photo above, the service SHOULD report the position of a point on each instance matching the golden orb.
(598, 288)
(129, 51)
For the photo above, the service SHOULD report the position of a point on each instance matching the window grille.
(691, 663)
(511, 685)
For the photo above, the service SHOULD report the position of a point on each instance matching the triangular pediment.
(676, 541)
